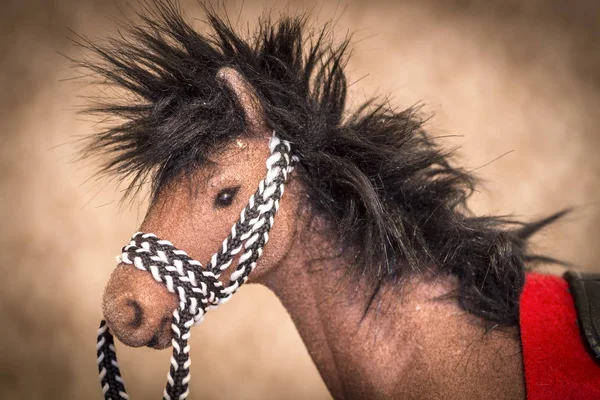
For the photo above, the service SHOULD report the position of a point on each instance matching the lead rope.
(198, 288)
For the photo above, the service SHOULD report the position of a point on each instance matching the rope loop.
(199, 288)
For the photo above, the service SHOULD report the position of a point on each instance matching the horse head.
(196, 211)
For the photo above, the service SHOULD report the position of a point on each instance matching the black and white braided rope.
(198, 288)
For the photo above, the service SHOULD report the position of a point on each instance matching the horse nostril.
(138, 316)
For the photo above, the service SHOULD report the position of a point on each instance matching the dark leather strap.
(585, 289)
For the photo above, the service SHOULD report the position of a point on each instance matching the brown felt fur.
(410, 345)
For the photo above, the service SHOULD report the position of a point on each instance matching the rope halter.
(198, 288)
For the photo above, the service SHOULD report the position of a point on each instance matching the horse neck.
(408, 345)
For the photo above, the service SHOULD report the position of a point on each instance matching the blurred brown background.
(505, 76)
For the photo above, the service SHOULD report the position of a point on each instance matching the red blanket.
(557, 365)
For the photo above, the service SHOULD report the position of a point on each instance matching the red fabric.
(557, 365)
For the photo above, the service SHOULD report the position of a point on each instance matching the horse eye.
(225, 197)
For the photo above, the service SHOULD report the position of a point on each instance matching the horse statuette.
(355, 219)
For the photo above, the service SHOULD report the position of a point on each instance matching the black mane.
(389, 192)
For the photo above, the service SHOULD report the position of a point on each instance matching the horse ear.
(247, 98)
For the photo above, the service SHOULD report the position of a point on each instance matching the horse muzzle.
(137, 309)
